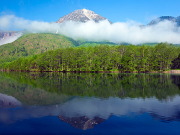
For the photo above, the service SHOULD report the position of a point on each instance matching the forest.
(121, 58)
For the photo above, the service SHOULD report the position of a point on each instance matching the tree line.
(123, 58)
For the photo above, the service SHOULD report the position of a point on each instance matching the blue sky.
(115, 10)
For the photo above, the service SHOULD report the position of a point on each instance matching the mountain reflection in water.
(92, 108)
(82, 122)
(87, 100)
(8, 101)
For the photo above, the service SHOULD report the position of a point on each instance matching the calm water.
(57, 103)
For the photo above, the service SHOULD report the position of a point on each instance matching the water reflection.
(92, 108)
(8, 101)
(86, 100)
(82, 122)
(31, 87)
(176, 80)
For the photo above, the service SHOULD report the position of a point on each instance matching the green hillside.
(32, 44)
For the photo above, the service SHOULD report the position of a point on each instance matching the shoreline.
(173, 72)
(166, 72)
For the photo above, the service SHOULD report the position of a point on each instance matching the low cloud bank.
(120, 32)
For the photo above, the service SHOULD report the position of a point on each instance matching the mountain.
(166, 18)
(82, 15)
(8, 36)
(32, 44)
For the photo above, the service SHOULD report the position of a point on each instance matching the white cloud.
(120, 32)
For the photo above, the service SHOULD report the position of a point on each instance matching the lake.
(89, 103)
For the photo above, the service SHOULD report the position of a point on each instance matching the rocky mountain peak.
(81, 15)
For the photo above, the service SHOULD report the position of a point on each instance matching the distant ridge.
(166, 18)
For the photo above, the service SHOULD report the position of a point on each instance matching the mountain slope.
(82, 15)
(31, 44)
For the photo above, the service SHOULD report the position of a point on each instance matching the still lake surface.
(89, 103)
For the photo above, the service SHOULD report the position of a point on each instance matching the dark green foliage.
(31, 44)
(176, 63)
(89, 43)
(100, 58)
